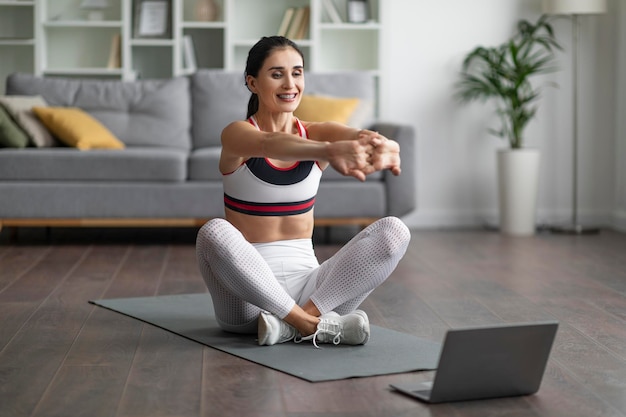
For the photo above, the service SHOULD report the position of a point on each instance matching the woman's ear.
(251, 83)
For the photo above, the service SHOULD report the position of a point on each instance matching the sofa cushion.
(139, 113)
(110, 200)
(331, 175)
(69, 164)
(204, 164)
(351, 199)
(74, 127)
(219, 98)
(11, 135)
(21, 109)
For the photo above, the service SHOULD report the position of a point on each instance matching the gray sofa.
(168, 175)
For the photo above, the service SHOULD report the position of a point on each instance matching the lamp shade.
(574, 6)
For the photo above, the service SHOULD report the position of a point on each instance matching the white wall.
(424, 45)
(619, 213)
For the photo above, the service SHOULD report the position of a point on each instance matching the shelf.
(17, 3)
(17, 42)
(83, 24)
(151, 42)
(350, 26)
(203, 25)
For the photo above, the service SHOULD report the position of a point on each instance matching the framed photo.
(152, 18)
(357, 11)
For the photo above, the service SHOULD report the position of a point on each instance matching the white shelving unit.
(17, 38)
(55, 38)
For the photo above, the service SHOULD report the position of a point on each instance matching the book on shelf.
(189, 54)
(115, 52)
(299, 23)
(331, 11)
(284, 24)
(304, 24)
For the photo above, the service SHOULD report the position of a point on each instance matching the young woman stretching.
(258, 262)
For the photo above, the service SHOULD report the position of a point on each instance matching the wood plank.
(57, 320)
(13, 316)
(90, 391)
(237, 387)
(165, 377)
(38, 282)
(15, 261)
(562, 395)
(140, 274)
(181, 275)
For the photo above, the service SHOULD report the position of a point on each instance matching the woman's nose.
(289, 81)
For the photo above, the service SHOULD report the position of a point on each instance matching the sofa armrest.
(401, 190)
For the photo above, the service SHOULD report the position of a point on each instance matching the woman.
(258, 262)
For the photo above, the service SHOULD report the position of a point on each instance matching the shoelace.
(323, 327)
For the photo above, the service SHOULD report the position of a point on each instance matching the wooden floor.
(60, 356)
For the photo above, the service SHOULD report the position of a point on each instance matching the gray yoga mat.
(191, 316)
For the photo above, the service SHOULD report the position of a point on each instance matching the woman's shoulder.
(237, 126)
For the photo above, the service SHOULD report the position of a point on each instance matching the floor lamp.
(575, 8)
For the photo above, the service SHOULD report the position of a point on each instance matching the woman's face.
(280, 81)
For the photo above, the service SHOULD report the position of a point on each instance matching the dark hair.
(257, 56)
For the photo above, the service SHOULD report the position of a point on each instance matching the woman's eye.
(277, 75)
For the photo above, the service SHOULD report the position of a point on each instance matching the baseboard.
(447, 219)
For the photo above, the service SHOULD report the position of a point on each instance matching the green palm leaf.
(503, 73)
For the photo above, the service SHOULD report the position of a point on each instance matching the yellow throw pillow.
(314, 108)
(77, 128)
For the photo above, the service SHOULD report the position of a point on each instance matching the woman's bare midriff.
(263, 229)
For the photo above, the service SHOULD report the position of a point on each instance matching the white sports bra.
(259, 188)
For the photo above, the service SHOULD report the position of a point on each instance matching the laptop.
(488, 362)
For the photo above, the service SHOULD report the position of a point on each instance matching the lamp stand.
(574, 227)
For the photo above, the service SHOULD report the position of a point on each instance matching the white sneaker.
(351, 329)
(273, 330)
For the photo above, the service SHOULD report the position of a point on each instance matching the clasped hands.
(369, 153)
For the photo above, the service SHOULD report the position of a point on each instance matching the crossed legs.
(242, 283)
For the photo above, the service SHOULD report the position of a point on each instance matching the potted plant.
(503, 73)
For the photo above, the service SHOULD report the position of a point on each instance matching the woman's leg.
(365, 262)
(239, 280)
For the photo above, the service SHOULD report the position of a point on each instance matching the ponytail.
(253, 105)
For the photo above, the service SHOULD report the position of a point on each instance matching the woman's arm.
(241, 140)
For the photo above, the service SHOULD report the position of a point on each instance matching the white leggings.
(242, 282)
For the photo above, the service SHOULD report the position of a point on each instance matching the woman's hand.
(369, 153)
(352, 157)
(385, 153)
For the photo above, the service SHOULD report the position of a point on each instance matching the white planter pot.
(518, 180)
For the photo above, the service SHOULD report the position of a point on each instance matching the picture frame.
(358, 11)
(152, 19)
